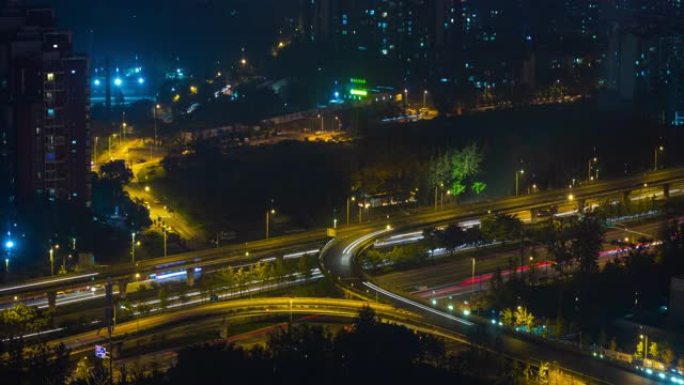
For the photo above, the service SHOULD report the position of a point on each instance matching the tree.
(226, 277)
(556, 239)
(453, 237)
(523, 317)
(496, 290)
(479, 187)
(654, 351)
(117, 172)
(667, 355)
(587, 242)
(501, 227)
(19, 320)
(508, 317)
(466, 162)
(639, 352)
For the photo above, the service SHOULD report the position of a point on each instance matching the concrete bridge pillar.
(666, 191)
(533, 215)
(52, 307)
(122, 284)
(581, 203)
(52, 301)
(625, 196)
(190, 277)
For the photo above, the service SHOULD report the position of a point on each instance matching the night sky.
(198, 31)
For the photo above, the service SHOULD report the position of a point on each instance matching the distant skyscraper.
(44, 110)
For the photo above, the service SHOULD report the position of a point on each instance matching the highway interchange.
(338, 262)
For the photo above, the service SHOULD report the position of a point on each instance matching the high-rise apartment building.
(44, 110)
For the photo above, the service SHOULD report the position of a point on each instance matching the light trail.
(47, 282)
(417, 304)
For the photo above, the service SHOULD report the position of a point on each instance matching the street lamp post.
(133, 247)
(425, 93)
(349, 200)
(320, 116)
(590, 165)
(268, 221)
(52, 258)
(644, 339)
(365, 206)
(165, 236)
(95, 151)
(517, 181)
(655, 156)
(156, 107)
(406, 103)
(9, 245)
(441, 195)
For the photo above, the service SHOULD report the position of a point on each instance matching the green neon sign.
(358, 92)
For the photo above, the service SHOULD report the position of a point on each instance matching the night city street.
(475, 192)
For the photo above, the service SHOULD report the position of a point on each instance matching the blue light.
(141, 81)
(118, 82)
(96, 82)
(337, 95)
(9, 244)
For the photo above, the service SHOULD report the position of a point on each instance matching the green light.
(357, 81)
(358, 92)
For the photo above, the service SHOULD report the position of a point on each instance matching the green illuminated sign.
(358, 92)
(357, 81)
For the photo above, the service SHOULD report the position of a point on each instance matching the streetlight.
(154, 112)
(644, 339)
(349, 200)
(517, 181)
(9, 245)
(53, 249)
(425, 93)
(590, 165)
(406, 103)
(133, 246)
(322, 122)
(109, 144)
(269, 213)
(655, 156)
(165, 237)
(95, 151)
(363, 206)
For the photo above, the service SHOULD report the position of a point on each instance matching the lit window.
(50, 77)
(55, 46)
(51, 112)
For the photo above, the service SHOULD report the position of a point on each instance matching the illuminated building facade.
(44, 110)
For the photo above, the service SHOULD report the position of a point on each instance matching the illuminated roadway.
(304, 241)
(337, 260)
(245, 308)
